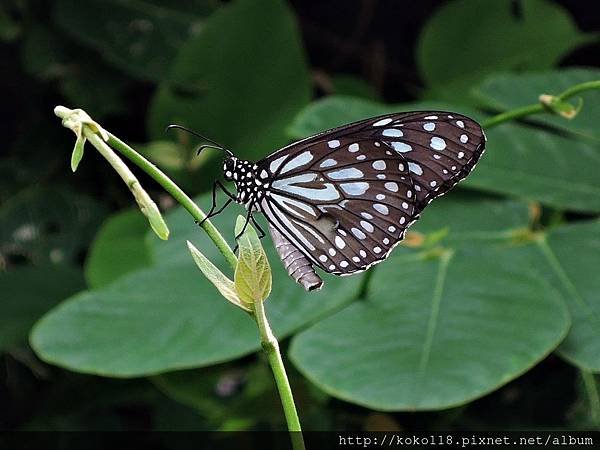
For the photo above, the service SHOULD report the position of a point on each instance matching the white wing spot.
(300, 160)
(391, 186)
(464, 138)
(379, 165)
(382, 122)
(381, 208)
(381, 176)
(405, 205)
(339, 242)
(331, 267)
(363, 253)
(366, 215)
(276, 163)
(386, 241)
(358, 188)
(332, 251)
(342, 232)
(453, 167)
(436, 156)
(344, 264)
(401, 167)
(433, 183)
(431, 118)
(333, 143)
(415, 168)
(328, 163)
(460, 123)
(437, 143)
(380, 196)
(391, 228)
(352, 148)
(402, 220)
(429, 126)
(355, 259)
(264, 174)
(361, 157)
(377, 144)
(358, 233)
(322, 258)
(367, 226)
(401, 147)
(345, 174)
(392, 132)
(377, 249)
(409, 193)
(460, 155)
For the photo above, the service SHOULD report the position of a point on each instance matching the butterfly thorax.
(250, 189)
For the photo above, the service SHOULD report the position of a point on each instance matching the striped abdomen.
(296, 264)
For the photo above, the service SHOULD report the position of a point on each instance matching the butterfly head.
(229, 168)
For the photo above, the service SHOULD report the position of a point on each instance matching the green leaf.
(470, 217)
(27, 293)
(77, 154)
(240, 81)
(225, 286)
(140, 38)
(572, 255)
(460, 45)
(118, 249)
(336, 110)
(435, 333)
(253, 273)
(506, 91)
(48, 224)
(167, 317)
(535, 165)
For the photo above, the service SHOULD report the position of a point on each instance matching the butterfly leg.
(248, 219)
(258, 227)
(212, 212)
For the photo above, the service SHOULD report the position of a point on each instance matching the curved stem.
(181, 197)
(536, 108)
(271, 348)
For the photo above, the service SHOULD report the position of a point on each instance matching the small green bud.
(561, 107)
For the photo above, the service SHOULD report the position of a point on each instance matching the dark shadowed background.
(104, 327)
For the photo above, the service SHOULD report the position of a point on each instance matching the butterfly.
(341, 200)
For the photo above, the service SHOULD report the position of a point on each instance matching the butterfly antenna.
(215, 145)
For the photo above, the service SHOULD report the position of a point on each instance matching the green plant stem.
(537, 108)
(178, 194)
(271, 348)
(593, 396)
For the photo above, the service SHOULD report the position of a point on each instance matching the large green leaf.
(537, 165)
(27, 293)
(118, 249)
(435, 333)
(506, 91)
(140, 37)
(573, 257)
(170, 316)
(459, 45)
(240, 80)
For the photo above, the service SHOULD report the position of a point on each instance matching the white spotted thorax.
(343, 199)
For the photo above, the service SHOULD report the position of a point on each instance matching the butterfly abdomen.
(296, 264)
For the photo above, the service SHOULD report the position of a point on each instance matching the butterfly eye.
(228, 168)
